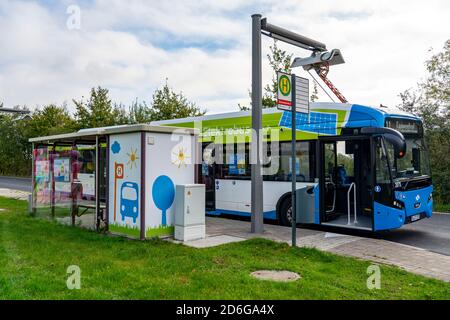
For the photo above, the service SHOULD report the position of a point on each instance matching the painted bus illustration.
(129, 200)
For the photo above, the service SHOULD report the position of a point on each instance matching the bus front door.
(207, 176)
(345, 182)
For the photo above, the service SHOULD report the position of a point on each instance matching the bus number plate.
(415, 217)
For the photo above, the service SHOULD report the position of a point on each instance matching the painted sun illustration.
(180, 157)
(132, 158)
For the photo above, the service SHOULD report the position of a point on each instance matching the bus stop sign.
(285, 92)
(284, 97)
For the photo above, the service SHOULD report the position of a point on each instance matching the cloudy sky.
(204, 47)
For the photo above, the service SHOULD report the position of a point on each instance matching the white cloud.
(204, 47)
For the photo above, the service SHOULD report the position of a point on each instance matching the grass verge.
(442, 208)
(35, 255)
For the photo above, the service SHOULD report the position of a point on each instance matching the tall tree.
(431, 101)
(279, 60)
(170, 105)
(139, 112)
(50, 120)
(99, 111)
(14, 146)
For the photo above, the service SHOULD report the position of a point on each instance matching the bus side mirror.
(398, 142)
(393, 136)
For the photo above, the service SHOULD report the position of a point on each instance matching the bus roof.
(365, 112)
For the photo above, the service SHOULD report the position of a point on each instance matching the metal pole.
(33, 181)
(294, 163)
(53, 192)
(257, 181)
(97, 183)
(143, 180)
(292, 36)
(107, 183)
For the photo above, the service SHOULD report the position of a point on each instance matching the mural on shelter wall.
(129, 201)
(180, 157)
(132, 158)
(163, 192)
(170, 164)
(125, 198)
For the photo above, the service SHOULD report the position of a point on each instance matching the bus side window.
(236, 162)
(303, 167)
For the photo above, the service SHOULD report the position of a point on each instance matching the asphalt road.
(22, 184)
(431, 234)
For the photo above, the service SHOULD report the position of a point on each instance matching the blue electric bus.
(358, 167)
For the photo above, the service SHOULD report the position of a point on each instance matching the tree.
(431, 101)
(99, 111)
(14, 146)
(279, 60)
(315, 94)
(16, 130)
(51, 120)
(139, 112)
(169, 105)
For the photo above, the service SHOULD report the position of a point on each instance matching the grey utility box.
(190, 212)
(305, 199)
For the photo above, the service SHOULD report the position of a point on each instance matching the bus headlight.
(398, 204)
(430, 197)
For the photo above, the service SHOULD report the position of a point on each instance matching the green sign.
(284, 85)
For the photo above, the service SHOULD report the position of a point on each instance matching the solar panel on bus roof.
(319, 122)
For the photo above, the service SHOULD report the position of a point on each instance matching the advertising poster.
(62, 170)
(42, 179)
(42, 171)
(62, 175)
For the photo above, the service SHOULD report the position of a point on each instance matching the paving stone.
(213, 241)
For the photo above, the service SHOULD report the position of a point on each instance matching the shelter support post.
(142, 196)
(107, 185)
(33, 180)
(52, 175)
(97, 183)
(294, 164)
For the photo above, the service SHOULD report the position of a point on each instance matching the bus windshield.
(414, 164)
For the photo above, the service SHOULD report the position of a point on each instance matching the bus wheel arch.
(282, 203)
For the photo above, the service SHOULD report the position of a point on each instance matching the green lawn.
(35, 254)
(442, 208)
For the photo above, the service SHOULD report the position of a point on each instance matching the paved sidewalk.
(14, 194)
(220, 231)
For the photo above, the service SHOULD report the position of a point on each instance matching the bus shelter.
(121, 179)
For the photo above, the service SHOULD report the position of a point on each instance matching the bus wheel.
(285, 214)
